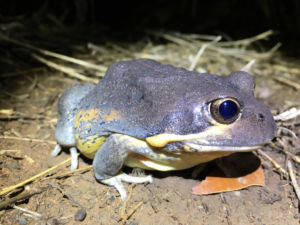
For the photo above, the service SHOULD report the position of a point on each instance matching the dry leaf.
(245, 170)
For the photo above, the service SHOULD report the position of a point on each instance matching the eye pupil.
(228, 109)
(225, 110)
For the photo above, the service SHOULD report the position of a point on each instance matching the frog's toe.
(138, 172)
(74, 158)
(116, 182)
(56, 151)
(130, 179)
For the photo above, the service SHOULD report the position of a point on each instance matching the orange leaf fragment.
(217, 182)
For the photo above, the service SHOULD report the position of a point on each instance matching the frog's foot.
(223, 167)
(74, 156)
(138, 172)
(116, 182)
(56, 151)
(198, 169)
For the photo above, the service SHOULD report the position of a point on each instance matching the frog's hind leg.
(109, 160)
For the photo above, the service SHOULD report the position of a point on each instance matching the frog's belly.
(180, 162)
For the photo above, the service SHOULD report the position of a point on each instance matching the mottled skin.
(153, 116)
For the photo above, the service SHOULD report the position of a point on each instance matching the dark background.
(127, 20)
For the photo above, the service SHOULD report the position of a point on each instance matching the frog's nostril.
(260, 117)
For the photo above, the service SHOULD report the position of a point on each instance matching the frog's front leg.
(109, 160)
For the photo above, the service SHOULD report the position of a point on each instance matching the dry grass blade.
(248, 66)
(294, 157)
(294, 181)
(131, 212)
(122, 211)
(69, 172)
(28, 139)
(7, 151)
(287, 115)
(32, 178)
(275, 164)
(71, 72)
(246, 41)
(201, 50)
(63, 57)
(34, 70)
(67, 195)
(288, 82)
(28, 211)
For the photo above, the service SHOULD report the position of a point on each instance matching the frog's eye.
(225, 110)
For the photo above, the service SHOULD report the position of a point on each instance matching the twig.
(176, 219)
(28, 139)
(131, 212)
(288, 82)
(28, 211)
(68, 173)
(275, 164)
(33, 178)
(71, 72)
(122, 211)
(22, 196)
(202, 50)
(67, 195)
(294, 182)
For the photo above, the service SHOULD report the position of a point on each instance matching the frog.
(143, 114)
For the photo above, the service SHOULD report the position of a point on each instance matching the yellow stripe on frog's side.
(90, 145)
(86, 116)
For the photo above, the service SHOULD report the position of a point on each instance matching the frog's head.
(221, 115)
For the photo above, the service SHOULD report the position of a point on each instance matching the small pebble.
(133, 223)
(16, 176)
(4, 176)
(80, 215)
(111, 199)
(145, 200)
(297, 216)
(237, 193)
(22, 221)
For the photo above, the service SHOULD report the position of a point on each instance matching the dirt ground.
(167, 201)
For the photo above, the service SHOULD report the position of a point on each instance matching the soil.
(167, 201)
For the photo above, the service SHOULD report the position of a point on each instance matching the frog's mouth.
(192, 146)
(204, 141)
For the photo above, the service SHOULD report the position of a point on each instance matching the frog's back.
(142, 98)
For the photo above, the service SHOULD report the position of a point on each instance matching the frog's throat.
(212, 133)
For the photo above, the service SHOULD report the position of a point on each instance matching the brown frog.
(159, 117)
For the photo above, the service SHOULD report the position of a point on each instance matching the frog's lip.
(192, 147)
